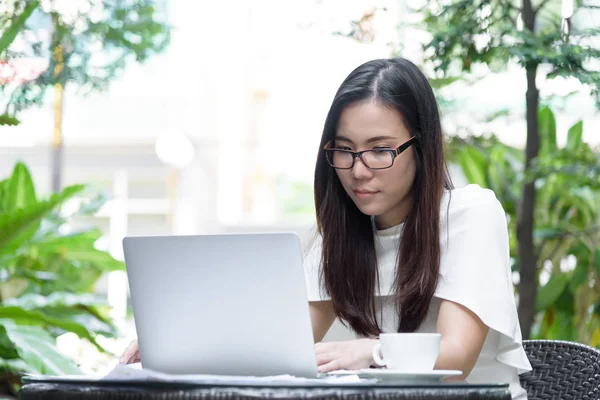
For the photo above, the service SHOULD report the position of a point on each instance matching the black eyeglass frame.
(329, 151)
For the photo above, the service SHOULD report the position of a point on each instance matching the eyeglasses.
(373, 159)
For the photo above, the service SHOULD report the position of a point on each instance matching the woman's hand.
(351, 354)
(131, 354)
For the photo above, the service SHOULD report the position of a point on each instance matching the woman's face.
(386, 193)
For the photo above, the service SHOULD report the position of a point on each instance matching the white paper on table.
(134, 372)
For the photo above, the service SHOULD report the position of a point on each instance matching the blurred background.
(143, 117)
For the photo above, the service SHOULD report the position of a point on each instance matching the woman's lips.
(364, 194)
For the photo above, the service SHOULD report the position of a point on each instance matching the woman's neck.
(395, 216)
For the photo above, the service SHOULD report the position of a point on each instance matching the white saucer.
(393, 376)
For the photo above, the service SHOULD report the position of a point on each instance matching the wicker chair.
(561, 371)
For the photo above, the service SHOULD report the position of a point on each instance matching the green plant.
(567, 222)
(85, 46)
(47, 279)
(493, 34)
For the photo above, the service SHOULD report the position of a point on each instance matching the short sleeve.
(475, 268)
(312, 269)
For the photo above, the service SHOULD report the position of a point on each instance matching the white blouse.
(474, 272)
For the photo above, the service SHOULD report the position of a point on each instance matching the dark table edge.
(189, 385)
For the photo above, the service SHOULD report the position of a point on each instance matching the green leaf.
(8, 120)
(551, 291)
(74, 277)
(92, 205)
(597, 261)
(496, 175)
(130, 31)
(16, 366)
(19, 191)
(80, 308)
(574, 137)
(504, 112)
(79, 247)
(17, 24)
(38, 349)
(3, 192)
(473, 164)
(441, 82)
(563, 327)
(14, 225)
(566, 301)
(547, 232)
(34, 301)
(582, 201)
(101, 259)
(596, 309)
(84, 317)
(580, 275)
(34, 317)
(547, 129)
(7, 348)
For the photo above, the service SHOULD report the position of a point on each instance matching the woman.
(400, 250)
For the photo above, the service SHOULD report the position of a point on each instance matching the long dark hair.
(349, 263)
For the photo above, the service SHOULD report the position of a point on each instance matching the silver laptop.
(231, 304)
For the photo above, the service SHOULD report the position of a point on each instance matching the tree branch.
(542, 4)
(561, 238)
(591, 230)
(559, 242)
(512, 19)
(540, 248)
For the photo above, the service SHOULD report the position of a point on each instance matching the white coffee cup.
(414, 352)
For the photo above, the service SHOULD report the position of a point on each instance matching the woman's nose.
(360, 170)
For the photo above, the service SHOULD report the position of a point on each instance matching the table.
(167, 391)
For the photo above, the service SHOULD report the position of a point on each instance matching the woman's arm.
(463, 335)
(322, 316)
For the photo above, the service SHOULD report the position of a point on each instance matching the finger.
(330, 366)
(321, 347)
(135, 358)
(325, 358)
(127, 359)
(129, 352)
(127, 355)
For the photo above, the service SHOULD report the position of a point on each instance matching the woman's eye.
(381, 148)
(344, 148)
